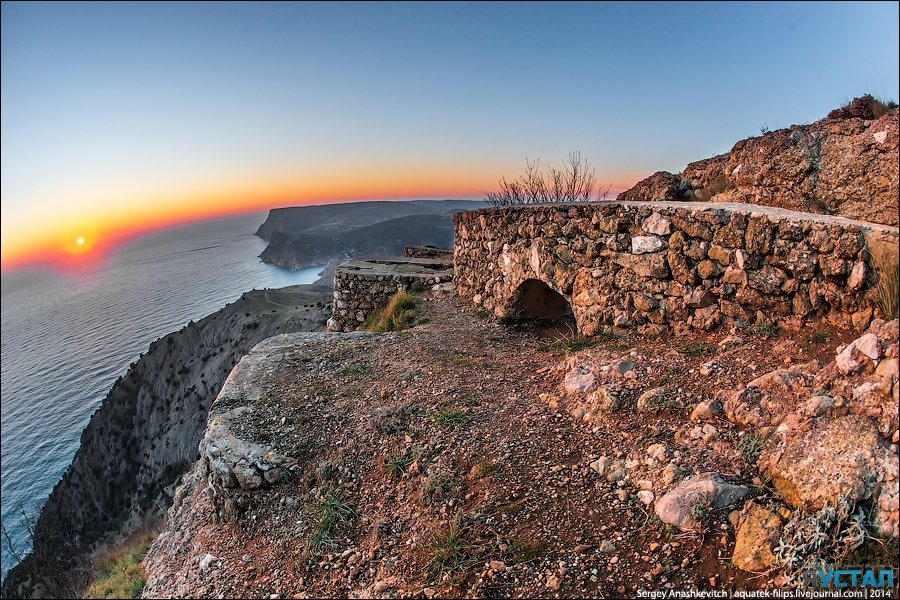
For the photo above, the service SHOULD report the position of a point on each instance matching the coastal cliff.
(145, 435)
(306, 236)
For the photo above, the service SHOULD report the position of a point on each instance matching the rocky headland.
(305, 236)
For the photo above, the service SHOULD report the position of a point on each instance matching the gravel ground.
(449, 465)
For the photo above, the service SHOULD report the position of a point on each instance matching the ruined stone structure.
(362, 287)
(656, 264)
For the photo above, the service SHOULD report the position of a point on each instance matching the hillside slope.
(145, 434)
(845, 164)
(464, 458)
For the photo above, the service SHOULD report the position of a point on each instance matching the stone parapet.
(362, 287)
(656, 264)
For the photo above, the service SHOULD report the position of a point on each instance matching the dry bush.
(866, 107)
(574, 182)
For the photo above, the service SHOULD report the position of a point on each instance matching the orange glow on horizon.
(101, 234)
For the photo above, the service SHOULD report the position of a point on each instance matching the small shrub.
(525, 550)
(575, 182)
(866, 107)
(483, 468)
(698, 349)
(436, 486)
(482, 313)
(766, 329)
(122, 575)
(450, 417)
(408, 376)
(400, 313)
(701, 514)
(819, 336)
(450, 553)
(750, 446)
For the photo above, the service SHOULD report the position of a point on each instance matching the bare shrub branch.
(574, 182)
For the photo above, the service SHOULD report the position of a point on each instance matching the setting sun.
(80, 241)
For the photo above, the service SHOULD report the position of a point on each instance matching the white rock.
(707, 491)
(889, 367)
(857, 276)
(645, 244)
(657, 451)
(645, 496)
(206, 561)
(579, 380)
(600, 466)
(817, 405)
(868, 345)
(657, 225)
(848, 360)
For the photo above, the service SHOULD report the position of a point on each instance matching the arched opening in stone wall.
(536, 301)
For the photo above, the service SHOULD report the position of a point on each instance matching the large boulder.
(684, 505)
(840, 459)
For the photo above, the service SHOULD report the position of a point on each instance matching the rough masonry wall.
(651, 265)
(364, 287)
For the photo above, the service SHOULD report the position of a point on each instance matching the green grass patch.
(483, 468)
(508, 320)
(401, 312)
(887, 286)
(450, 553)
(819, 336)
(449, 418)
(396, 465)
(355, 369)
(334, 516)
(525, 550)
(570, 344)
(121, 576)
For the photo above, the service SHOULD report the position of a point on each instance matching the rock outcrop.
(845, 164)
(145, 435)
(831, 435)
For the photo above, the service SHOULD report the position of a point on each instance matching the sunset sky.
(119, 117)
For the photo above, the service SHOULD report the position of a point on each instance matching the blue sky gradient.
(124, 109)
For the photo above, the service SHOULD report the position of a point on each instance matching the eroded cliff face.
(146, 432)
(845, 164)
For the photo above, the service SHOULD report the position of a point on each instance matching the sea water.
(67, 336)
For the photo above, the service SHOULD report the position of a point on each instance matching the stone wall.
(656, 264)
(362, 287)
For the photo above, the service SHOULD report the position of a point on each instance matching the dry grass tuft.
(400, 313)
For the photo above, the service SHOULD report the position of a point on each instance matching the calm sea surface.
(67, 337)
